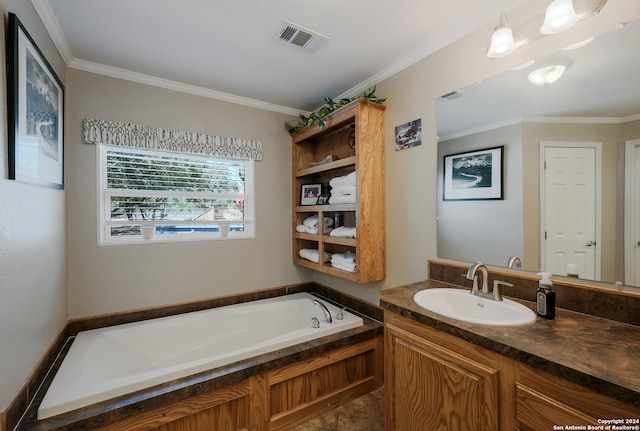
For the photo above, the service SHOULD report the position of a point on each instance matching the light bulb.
(560, 15)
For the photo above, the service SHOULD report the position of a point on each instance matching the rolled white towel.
(312, 221)
(344, 232)
(313, 255)
(306, 229)
(342, 199)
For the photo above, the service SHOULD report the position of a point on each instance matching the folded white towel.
(342, 199)
(348, 257)
(344, 180)
(344, 232)
(349, 189)
(312, 230)
(344, 266)
(313, 255)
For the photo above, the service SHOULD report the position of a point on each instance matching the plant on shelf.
(330, 106)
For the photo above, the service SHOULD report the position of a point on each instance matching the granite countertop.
(599, 354)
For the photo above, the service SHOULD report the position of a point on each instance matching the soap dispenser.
(546, 297)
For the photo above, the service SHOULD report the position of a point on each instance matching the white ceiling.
(600, 85)
(229, 48)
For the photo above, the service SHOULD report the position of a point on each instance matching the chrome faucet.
(327, 314)
(514, 262)
(484, 293)
(471, 275)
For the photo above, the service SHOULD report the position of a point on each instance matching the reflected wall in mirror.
(592, 111)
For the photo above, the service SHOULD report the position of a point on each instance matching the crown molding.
(141, 78)
(540, 120)
(48, 18)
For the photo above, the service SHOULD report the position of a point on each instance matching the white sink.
(461, 305)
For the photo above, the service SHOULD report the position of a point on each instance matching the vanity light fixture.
(547, 74)
(502, 42)
(560, 16)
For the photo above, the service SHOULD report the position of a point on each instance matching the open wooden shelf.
(363, 122)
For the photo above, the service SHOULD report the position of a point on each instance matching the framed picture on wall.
(35, 99)
(474, 175)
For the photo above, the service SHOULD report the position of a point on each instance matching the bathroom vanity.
(442, 373)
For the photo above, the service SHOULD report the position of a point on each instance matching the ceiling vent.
(295, 34)
(452, 95)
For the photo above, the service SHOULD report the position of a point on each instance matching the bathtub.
(108, 362)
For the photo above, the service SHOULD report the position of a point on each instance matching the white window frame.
(104, 207)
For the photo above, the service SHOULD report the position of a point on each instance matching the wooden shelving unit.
(364, 123)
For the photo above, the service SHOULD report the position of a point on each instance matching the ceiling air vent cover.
(295, 34)
(452, 95)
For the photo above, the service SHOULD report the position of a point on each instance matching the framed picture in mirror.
(475, 175)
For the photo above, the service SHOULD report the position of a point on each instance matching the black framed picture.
(310, 193)
(474, 175)
(35, 99)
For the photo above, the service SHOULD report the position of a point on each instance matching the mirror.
(596, 100)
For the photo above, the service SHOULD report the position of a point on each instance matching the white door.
(570, 210)
(632, 213)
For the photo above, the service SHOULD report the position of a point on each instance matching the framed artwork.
(35, 99)
(409, 135)
(474, 175)
(310, 194)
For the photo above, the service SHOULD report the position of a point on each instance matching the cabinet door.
(536, 411)
(544, 401)
(435, 389)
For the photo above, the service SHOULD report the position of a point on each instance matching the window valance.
(179, 141)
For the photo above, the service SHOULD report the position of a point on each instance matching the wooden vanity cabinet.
(436, 381)
(354, 137)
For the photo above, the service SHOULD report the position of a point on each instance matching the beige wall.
(33, 295)
(491, 230)
(112, 278)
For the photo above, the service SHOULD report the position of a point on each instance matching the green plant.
(329, 106)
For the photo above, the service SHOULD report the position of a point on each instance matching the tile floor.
(362, 414)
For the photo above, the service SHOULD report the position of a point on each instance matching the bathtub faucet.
(327, 314)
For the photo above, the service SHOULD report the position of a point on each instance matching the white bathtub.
(108, 362)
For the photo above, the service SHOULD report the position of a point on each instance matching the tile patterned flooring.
(362, 414)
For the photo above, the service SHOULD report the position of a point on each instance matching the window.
(165, 196)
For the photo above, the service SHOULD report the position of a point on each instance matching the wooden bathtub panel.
(307, 389)
(225, 409)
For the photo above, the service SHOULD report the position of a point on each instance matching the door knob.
(638, 243)
(592, 243)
